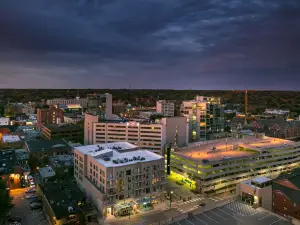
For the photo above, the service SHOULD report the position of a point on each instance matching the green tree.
(4, 197)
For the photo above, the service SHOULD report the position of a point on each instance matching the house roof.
(289, 185)
(40, 145)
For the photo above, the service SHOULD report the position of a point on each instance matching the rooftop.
(257, 180)
(231, 148)
(62, 160)
(63, 198)
(10, 138)
(39, 145)
(62, 127)
(7, 162)
(46, 172)
(117, 154)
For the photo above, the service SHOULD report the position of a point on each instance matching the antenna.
(246, 102)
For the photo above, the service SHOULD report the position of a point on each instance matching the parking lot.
(233, 213)
(21, 209)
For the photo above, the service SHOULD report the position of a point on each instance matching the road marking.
(178, 223)
(189, 221)
(258, 211)
(265, 216)
(218, 215)
(209, 218)
(275, 221)
(200, 220)
(218, 198)
(213, 199)
(230, 215)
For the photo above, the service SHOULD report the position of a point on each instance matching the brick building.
(286, 194)
(50, 115)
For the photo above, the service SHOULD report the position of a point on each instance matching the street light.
(170, 196)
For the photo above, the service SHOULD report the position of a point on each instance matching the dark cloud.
(185, 44)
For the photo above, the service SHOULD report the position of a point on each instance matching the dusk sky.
(174, 44)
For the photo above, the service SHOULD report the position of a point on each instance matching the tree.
(4, 197)
(33, 162)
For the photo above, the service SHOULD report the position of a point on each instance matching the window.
(128, 172)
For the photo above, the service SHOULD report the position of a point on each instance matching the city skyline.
(161, 45)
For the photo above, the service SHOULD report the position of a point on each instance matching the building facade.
(50, 115)
(256, 192)
(69, 132)
(63, 101)
(286, 195)
(151, 136)
(165, 108)
(205, 116)
(114, 173)
(100, 104)
(215, 167)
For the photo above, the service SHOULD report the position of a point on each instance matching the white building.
(4, 121)
(165, 108)
(205, 116)
(116, 173)
(63, 101)
(151, 136)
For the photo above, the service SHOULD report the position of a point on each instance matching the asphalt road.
(21, 209)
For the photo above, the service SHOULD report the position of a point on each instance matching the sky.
(153, 44)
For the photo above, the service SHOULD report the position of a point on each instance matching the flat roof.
(46, 172)
(227, 148)
(118, 154)
(10, 138)
(40, 145)
(62, 127)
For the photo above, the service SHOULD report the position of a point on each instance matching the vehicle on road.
(34, 200)
(202, 204)
(31, 196)
(30, 190)
(8, 214)
(14, 219)
(34, 207)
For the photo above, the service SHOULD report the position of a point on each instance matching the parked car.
(36, 207)
(34, 200)
(8, 214)
(30, 190)
(31, 196)
(14, 219)
(15, 223)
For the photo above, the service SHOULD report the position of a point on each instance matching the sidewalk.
(157, 208)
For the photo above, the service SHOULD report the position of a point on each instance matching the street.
(21, 209)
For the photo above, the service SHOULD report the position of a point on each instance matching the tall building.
(165, 108)
(217, 166)
(205, 116)
(151, 136)
(52, 115)
(112, 173)
(63, 101)
(100, 104)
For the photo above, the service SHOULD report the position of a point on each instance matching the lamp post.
(170, 196)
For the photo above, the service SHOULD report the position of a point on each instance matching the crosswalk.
(190, 201)
(216, 199)
(242, 208)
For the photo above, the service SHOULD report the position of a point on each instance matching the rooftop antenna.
(246, 107)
